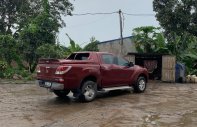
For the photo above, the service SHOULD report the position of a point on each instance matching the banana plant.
(73, 47)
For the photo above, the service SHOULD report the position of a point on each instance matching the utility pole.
(121, 36)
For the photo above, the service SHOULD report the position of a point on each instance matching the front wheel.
(88, 91)
(140, 85)
(61, 93)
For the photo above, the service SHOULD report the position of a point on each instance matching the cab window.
(108, 59)
(121, 61)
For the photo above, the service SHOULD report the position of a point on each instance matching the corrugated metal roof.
(114, 40)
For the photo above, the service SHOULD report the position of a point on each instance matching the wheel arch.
(89, 78)
(143, 75)
(137, 76)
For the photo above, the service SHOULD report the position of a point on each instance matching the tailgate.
(48, 68)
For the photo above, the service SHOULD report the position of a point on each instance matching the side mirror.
(131, 64)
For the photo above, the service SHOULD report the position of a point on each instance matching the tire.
(140, 85)
(61, 93)
(88, 91)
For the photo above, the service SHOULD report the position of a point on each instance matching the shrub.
(50, 51)
(3, 65)
(10, 72)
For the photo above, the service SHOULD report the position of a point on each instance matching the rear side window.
(108, 59)
(72, 56)
(79, 56)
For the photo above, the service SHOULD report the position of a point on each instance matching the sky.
(105, 27)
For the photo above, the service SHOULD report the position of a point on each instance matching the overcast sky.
(105, 27)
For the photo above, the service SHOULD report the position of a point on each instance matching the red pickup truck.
(86, 73)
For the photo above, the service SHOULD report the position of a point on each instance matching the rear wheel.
(88, 91)
(140, 85)
(61, 93)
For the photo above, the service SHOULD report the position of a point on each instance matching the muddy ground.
(162, 105)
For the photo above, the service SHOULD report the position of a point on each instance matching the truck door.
(112, 73)
(124, 71)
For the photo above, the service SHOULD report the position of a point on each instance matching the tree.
(148, 39)
(15, 14)
(56, 9)
(189, 55)
(10, 11)
(29, 24)
(92, 46)
(178, 16)
(42, 30)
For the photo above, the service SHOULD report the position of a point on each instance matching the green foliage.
(50, 51)
(92, 46)
(10, 72)
(189, 60)
(179, 44)
(189, 55)
(149, 39)
(177, 16)
(178, 19)
(3, 67)
(11, 13)
(42, 30)
(9, 49)
(73, 47)
(59, 8)
(15, 14)
(28, 30)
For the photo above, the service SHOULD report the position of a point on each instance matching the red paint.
(75, 71)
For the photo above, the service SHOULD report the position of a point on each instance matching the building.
(160, 66)
(114, 46)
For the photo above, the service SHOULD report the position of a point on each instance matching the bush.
(3, 65)
(10, 72)
(50, 51)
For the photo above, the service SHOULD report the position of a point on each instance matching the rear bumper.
(50, 85)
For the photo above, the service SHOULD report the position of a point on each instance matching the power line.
(100, 13)
(138, 14)
(116, 12)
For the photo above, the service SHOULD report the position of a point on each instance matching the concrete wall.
(113, 46)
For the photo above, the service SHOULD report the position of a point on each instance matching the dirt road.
(162, 105)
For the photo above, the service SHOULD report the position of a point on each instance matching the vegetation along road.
(163, 105)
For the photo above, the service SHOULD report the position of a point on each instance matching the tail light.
(62, 70)
(38, 69)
